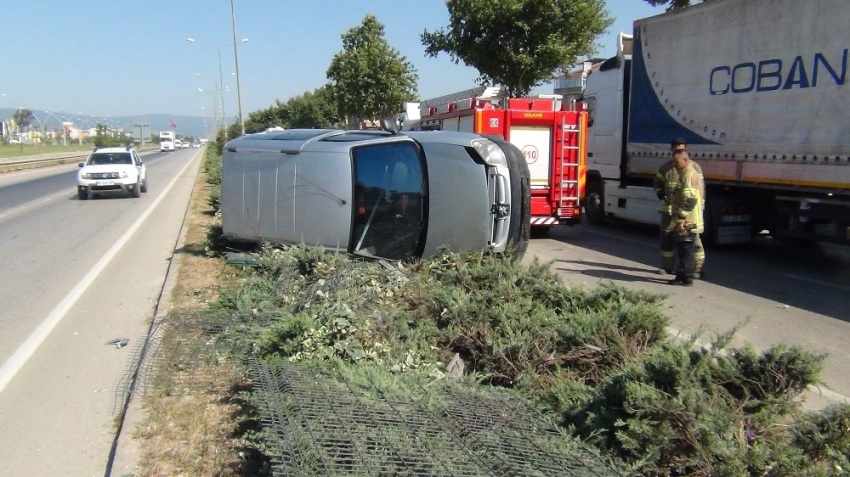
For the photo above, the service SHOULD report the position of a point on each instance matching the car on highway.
(112, 169)
(376, 193)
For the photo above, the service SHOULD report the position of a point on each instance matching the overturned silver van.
(376, 193)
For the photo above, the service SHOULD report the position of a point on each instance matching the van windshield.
(390, 201)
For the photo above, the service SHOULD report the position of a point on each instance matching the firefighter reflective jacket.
(666, 181)
(687, 200)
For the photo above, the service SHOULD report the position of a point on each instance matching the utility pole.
(236, 59)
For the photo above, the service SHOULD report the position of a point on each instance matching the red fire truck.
(551, 135)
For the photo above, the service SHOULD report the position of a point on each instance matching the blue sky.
(97, 58)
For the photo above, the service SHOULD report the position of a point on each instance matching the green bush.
(600, 358)
(212, 167)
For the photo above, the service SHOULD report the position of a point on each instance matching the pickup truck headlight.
(490, 152)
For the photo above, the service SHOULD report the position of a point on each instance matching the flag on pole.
(171, 124)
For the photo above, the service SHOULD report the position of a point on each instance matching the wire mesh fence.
(326, 426)
(322, 423)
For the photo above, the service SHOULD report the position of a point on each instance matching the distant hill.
(185, 125)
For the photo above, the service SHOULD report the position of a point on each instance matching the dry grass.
(190, 431)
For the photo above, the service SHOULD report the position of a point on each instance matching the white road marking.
(816, 282)
(25, 351)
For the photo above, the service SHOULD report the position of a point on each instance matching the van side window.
(390, 199)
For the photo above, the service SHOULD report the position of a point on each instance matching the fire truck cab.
(551, 135)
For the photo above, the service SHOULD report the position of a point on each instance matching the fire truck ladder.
(568, 195)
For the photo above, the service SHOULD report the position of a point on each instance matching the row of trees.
(518, 44)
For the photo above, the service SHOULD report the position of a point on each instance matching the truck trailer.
(757, 89)
(550, 132)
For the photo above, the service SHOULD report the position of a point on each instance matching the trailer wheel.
(594, 204)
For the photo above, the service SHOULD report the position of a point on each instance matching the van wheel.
(594, 205)
(82, 194)
(145, 185)
(137, 190)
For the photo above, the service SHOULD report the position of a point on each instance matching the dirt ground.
(190, 418)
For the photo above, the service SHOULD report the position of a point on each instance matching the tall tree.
(519, 44)
(369, 79)
(671, 4)
(23, 117)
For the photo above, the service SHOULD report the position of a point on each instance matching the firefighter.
(686, 217)
(664, 183)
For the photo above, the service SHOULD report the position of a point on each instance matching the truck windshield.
(390, 201)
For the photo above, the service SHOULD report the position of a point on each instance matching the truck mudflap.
(519, 230)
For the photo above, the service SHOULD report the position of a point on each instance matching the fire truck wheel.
(539, 231)
(594, 205)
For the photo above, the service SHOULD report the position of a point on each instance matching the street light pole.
(236, 60)
(215, 111)
(221, 88)
(220, 79)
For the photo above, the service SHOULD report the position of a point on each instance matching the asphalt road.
(75, 275)
(790, 295)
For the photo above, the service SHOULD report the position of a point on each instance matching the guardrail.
(8, 164)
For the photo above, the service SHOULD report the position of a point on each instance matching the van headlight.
(490, 152)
